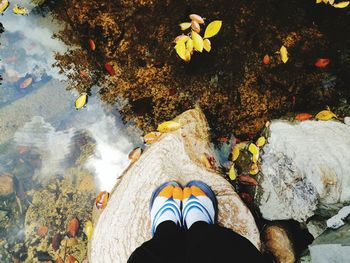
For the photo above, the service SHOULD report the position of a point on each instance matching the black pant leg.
(165, 247)
(212, 243)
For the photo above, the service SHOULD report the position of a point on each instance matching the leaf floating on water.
(73, 227)
(253, 149)
(235, 153)
(185, 25)
(92, 45)
(254, 169)
(246, 179)
(181, 49)
(266, 59)
(168, 126)
(212, 29)
(26, 83)
(135, 154)
(341, 4)
(88, 229)
(109, 68)
(195, 27)
(101, 200)
(197, 41)
(303, 116)
(18, 10)
(284, 54)
(232, 173)
(81, 101)
(197, 18)
(207, 45)
(151, 137)
(325, 115)
(261, 141)
(322, 62)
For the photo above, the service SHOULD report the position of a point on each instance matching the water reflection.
(43, 138)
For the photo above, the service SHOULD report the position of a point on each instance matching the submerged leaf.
(232, 173)
(168, 126)
(212, 29)
(342, 4)
(325, 115)
(92, 45)
(322, 62)
(266, 59)
(235, 153)
(197, 18)
(110, 69)
(197, 41)
(303, 116)
(261, 141)
(284, 54)
(207, 45)
(73, 227)
(185, 25)
(81, 101)
(246, 179)
(26, 83)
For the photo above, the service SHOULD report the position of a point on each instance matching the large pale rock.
(125, 223)
(305, 166)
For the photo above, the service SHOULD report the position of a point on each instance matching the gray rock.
(305, 167)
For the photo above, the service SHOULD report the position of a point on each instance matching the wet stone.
(6, 185)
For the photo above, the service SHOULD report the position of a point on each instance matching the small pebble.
(347, 120)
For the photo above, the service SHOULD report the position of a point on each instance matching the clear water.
(42, 135)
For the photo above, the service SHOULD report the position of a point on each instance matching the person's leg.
(206, 241)
(213, 243)
(166, 246)
(167, 241)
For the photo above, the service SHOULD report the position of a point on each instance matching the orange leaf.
(102, 199)
(266, 59)
(303, 116)
(73, 227)
(322, 62)
(92, 45)
(110, 69)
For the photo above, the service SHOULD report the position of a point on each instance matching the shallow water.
(42, 135)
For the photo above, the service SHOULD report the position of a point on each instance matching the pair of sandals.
(184, 206)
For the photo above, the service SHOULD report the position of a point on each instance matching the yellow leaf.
(185, 25)
(168, 126)
(181, 49)
(254, 169)
(232, 173)
(205, 161)
(255, 158)
(20, 10)
(241, 145)
(187, 56)
(342, 4)
(4, 5)
(197, 41)
(284, 54)
(235, 153)
(88, 229)
(189, 45)
(151, 137)
(325, 115)
(207, 45)
(261, 141)
(212, 29)
(81, 101)
(331, 2)
(318, 1)
(253, 149)
(181, 38)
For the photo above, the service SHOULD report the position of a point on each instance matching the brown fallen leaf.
(56, 240)
(322, 62)
(92, 45)
(109, 68)
(73, 227)
(247, 180)
(135, 154)
(266, 59)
